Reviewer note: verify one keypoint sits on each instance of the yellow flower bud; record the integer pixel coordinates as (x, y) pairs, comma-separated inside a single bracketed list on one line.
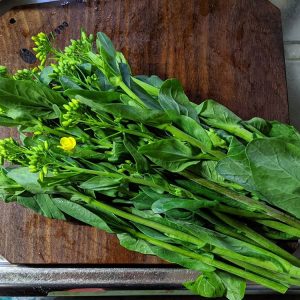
[(41, 176), (67, 143)]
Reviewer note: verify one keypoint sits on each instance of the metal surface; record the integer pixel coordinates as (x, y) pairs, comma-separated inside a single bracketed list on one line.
[(110, 281), (290, 13)]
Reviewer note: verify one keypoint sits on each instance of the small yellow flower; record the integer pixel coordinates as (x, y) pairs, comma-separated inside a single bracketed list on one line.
[(67, 143)]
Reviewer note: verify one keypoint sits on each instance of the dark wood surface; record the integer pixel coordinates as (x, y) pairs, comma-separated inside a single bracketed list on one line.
[(227, 50)]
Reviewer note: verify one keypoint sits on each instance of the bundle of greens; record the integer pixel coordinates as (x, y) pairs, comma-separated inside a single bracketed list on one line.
[(132, 155)]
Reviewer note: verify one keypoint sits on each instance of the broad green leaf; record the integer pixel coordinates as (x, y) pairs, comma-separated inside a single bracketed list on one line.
[(235, 286), (100, 183), (172, 98), (82, 214), (26, 179), (48, 207), (45, 76), (168, 203), (235, 166), (193, 128), (275, 165), (217, 115), (27, 93), (258, 124), (170, 154), (207, 285), (284, 131)]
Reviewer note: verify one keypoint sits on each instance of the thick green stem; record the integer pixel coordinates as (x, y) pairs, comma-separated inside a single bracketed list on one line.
[(223, 228), (236, 130), (280, 227), (213, 262), (116, 175), (253, 204), (261, 240), (281, 278), (182, 236), (239, 212)]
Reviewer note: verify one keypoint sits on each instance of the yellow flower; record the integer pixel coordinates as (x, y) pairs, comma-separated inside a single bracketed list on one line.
[(67, 143)]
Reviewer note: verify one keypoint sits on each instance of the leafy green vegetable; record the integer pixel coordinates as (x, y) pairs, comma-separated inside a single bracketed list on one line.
[(171, 154), (276, 171), (207, 285)]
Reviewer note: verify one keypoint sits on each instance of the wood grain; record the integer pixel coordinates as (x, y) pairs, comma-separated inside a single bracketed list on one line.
[(227, 50)]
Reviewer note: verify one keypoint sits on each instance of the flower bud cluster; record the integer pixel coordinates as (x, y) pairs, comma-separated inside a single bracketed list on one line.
[(70, 117), (11, 151), (43, 47), (37, 157)]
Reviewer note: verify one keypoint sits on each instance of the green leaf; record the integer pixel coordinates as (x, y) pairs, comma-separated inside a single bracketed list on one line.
[(82, 214), (275, 165), (235, 166), (100, 183), (207, 285), (27, 93), (141, 246), (168, 203), (93, 99), (258, 124), (172, 98), (217, 115), (140, 161), (26, 179), (48, 207), (170, 154), (153, 80), (106, 44), (284, 131), (212, 110), (235, 286), (67, 83), (193, 128), (145, 198), (31, 203), (45, 76)]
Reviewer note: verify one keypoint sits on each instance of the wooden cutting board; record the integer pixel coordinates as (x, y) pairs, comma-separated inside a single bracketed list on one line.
[(231, 51)]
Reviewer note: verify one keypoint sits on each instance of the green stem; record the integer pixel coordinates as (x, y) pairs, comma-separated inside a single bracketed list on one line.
[(253, 204), (223, 228), (182, 236), (131, 179), (131, 94), (181, 135), (239, 212), (261, 240), (280, 227), (213, 262), (234, 129), (281, 278)]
